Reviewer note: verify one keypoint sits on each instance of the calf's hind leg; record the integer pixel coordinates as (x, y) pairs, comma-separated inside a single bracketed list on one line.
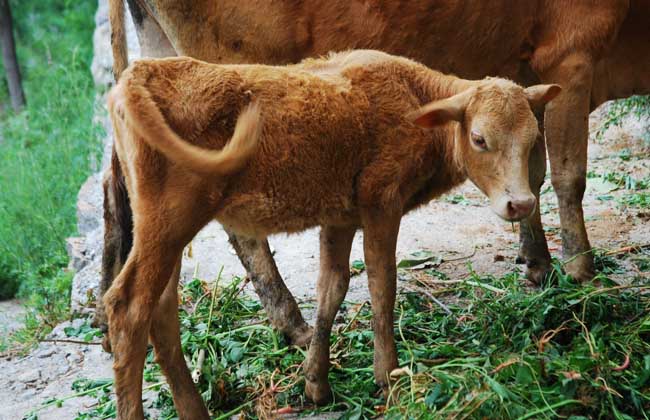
[(333, 282), (130, 304), (165, 336)]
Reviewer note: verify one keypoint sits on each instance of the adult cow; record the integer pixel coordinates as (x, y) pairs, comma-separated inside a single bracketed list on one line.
[(595, 49)]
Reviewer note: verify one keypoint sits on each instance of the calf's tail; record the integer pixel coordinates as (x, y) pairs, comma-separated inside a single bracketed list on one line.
[(147, 121)]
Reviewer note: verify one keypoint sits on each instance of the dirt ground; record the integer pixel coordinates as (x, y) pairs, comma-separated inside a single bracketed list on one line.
[(458, 226)]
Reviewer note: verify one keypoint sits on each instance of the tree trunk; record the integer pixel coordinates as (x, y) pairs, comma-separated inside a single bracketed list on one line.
[(9, 57)]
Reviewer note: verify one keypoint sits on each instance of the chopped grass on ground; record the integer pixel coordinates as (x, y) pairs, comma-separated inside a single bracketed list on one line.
[(506, 352)]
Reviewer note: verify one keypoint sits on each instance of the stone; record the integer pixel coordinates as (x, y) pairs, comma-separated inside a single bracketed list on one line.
[(85, 286), (76, 248), (29, 393), (46, 352), (90, 205), (18, 386), (63, 369), (58, 331), (74, 358), (29, 376)]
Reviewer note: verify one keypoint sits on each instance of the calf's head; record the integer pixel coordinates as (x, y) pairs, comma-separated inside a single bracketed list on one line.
[(494, 137)]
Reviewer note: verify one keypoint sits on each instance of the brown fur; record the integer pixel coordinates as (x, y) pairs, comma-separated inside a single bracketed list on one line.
[(595, 49), (347, 120)]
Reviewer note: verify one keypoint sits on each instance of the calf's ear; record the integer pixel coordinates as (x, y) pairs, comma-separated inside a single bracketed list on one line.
[(442, 111), (540, 95)]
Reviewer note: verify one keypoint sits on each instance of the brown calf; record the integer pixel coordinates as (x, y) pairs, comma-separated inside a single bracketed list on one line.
[(264, 149)]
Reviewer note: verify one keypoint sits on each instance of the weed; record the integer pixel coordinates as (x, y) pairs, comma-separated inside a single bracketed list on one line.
[(505, 352), (637, 200), (458, 199), (626, 181), (635, 105)]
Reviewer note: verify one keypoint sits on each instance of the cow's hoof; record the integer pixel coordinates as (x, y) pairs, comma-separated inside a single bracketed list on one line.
[(384, 389), (537, 274), (99, 324), (537, 270), (100, 320), (106, 344), (318, 392), (581, 268), (301, 336)]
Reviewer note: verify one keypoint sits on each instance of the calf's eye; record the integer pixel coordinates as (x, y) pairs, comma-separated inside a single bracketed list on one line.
[(479, 140)]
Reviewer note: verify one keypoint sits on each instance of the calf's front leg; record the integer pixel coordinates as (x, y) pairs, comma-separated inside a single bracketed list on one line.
[(379, 243), (333, 282)]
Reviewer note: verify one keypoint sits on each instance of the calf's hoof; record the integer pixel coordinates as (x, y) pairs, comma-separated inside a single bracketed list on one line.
[(581, 268), (319, 392), (301, 336)]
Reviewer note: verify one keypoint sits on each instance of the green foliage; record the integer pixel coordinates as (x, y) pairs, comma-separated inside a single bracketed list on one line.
[(46, 307), (457, 199), (8, 280), (506, 352), (46, 151), (84, 331), (635, 105)]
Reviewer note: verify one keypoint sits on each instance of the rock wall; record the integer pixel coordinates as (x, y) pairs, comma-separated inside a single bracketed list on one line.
[(85, 250)]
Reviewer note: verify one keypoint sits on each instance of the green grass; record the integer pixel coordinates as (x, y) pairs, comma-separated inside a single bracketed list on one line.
[(505, 352), (634, 105), (48, 151)]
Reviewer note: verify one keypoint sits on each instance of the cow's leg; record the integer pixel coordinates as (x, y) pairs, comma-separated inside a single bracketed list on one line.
[(333, 281), (567, 130), (118, 237), (110, 253), (130, 303), (165, 336), (277, 300), (533, 249), (379, 242)]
